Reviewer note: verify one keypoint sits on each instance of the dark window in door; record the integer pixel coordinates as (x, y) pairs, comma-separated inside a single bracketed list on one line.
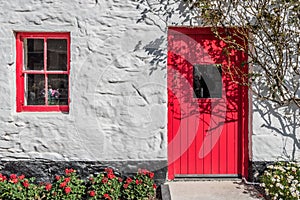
[(207, 81)]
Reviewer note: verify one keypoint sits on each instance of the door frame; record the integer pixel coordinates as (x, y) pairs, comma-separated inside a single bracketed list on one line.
[(246, 102)]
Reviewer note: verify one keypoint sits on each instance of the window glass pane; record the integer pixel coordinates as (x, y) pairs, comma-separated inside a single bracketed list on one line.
[(58, 89), (57, 54), (34, 54), (207, 81), (34, 89)]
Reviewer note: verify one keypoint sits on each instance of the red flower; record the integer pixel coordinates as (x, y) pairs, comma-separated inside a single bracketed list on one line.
[(143, 171), (151, 175), (125, 186), (15, 180), (137, 182), (69, 171), (111, 176), (13, 176), (109, 170), (62, 185), (48, 186), (26, 184), (2, 178), (57, 177), (104, 180), (91, 179), (21, 177), (128, 180), (154, 186), (120, 179), (106, 196), (92, 193), (67, 179), (67, 190)]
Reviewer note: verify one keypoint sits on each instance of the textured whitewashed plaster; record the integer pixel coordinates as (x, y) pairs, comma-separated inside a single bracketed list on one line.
[(276, 132), (118, 105), (118, 85)]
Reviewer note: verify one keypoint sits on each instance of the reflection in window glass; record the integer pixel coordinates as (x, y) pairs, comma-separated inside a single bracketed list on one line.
[(35, 89), (58, 89), (57, 54), (34, 54), (207, 82)]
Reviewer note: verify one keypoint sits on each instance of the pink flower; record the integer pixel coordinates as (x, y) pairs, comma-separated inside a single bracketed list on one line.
[(67, 179), (62, 185), (13, 176), (106, 196), (69, 171), (26, 184), (128, 180), (92, 193), (151, 175), (57, 177), (143, 171), (2, 178), (109, 170), (21, 177), (111, 176), (15, 180), (104, 180), (48, 186), (125, 186), (67, 190)]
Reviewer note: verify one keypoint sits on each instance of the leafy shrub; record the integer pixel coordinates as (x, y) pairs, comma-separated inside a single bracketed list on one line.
[(140, 187), (105, 185), (18, 187), (282, 181), (65, 187)]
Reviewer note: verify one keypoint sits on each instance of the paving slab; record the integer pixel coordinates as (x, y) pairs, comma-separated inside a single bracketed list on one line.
[(212, 190)]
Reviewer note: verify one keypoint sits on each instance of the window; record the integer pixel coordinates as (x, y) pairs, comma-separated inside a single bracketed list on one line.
[(43, 69), (207, 81)]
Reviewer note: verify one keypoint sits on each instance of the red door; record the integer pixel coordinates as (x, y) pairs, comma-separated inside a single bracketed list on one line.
[(207, 106)]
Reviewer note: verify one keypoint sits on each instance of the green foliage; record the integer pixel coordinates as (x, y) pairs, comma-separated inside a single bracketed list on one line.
[(18, 187), (268, 32), (282, 181), (140, 187), (105, 186), (66, 187)]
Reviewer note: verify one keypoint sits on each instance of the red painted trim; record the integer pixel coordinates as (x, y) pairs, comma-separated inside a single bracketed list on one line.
[(197, 30), (69, 65), (20, 71), (19, 77), (45, 108), (62, 35), (44, 72)]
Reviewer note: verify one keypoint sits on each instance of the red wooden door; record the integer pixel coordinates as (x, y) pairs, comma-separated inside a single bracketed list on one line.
[(207, 107)]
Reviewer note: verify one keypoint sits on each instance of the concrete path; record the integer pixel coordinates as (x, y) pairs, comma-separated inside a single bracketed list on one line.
[(212, 190)]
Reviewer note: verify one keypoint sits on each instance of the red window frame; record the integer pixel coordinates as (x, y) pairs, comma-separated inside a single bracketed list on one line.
[(20, 71)]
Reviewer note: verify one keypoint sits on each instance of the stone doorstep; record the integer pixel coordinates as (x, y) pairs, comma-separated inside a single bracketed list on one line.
[(209, 189)]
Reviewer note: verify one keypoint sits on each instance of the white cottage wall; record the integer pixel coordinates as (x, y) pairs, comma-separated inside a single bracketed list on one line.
[(118, 109)]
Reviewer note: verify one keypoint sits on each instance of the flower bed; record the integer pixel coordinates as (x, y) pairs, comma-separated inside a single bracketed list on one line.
[(282, 181), (105, 185)]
